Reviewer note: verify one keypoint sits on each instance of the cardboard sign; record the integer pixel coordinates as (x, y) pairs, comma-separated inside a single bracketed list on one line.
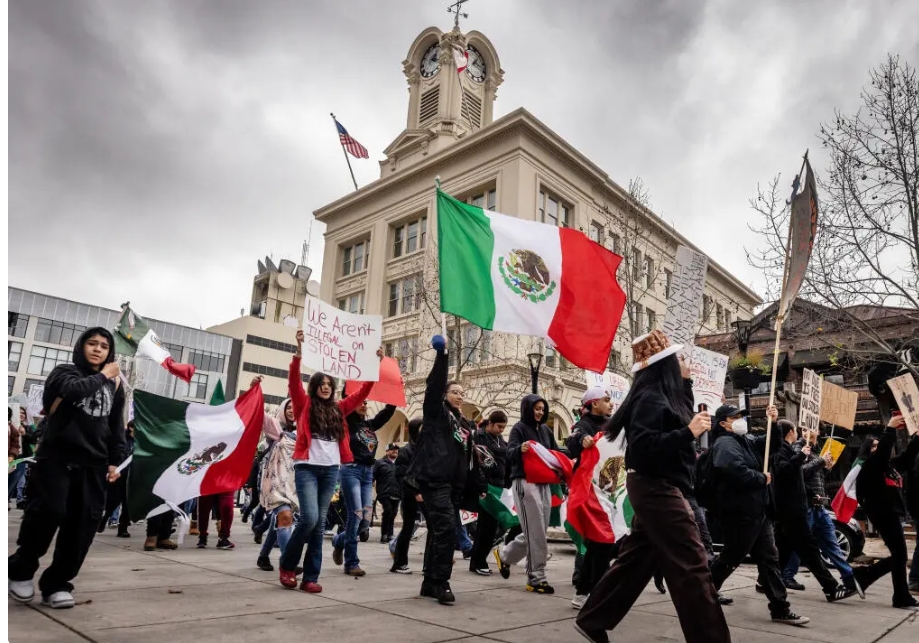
[(811, 389), (834, 448), (389, 389), (709, 370), (341, 344), (684, 308), (467, 517), (838, 405), (616, 385), (906, 393)]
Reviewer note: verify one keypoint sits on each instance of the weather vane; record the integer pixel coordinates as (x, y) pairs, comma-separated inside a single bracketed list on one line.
[(455, 8)]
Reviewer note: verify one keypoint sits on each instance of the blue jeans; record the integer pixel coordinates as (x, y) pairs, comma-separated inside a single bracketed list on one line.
[(821, 525), (275, 535), (16, 481), (315, 486), (357, 491), (462, 536)]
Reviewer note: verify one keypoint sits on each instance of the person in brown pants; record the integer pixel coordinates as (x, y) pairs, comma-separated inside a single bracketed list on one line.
[(225, 507), (660, 429)]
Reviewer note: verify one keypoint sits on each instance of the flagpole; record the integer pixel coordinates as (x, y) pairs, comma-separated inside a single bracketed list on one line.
[(344, 151)]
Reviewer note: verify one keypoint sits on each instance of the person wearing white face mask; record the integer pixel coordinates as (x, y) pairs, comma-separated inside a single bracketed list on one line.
[(744, 509)]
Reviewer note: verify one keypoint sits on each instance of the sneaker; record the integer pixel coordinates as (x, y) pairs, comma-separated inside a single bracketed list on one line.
[(122, 534), (288, 579), (909, 603), (427, 590), (481, 571), (202, 542), (839, 593), (599, 636), (338, 555), (357, 572), (793, 584), (224, 543), (790, 618), (392, 548), (22, 591), (444, 594), (405, 569), (101, 527), (913, 587), (364, 535), (503, 569), (467, 554), (150, 543), (264, 563), (578, 601), (257, 537), (58, 600), (168, 544), (541, 588), (310, 587), (724, 600), (659, 585)]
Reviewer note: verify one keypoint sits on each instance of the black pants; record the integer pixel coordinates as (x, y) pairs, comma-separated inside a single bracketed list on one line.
[(160, 526), (65, 499), (390, 510), (485, 533), (664, 534), (411, 509), (440, 507), (793, 534), (117, 494), (698, 513), (751, 535), (891, 530), (595, 564)]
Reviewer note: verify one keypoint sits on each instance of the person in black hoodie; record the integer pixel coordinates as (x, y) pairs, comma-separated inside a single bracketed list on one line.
[(533, 500), (879, 488), (411, 501), (660, 429), (388, 491), (792, 531), (491, 449), (80, 450), (444, 461), (357, 483)]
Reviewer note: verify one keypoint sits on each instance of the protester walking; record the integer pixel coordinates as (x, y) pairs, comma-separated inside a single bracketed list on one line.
[(388, 492), (491, 450), (411, 504), (278, 491)]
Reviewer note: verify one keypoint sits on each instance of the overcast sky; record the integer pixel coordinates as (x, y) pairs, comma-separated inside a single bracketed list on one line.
[(158, 149)]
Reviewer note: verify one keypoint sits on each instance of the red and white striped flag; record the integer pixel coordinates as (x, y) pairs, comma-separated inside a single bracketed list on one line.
[(353, 147)]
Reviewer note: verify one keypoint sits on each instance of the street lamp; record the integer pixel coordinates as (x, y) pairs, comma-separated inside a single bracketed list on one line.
[(535, 363), (742, 329)]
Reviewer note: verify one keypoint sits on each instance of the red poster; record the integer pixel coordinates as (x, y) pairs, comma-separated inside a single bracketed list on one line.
[(390, 389)]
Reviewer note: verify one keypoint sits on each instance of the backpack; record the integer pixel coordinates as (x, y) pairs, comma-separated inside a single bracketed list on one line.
[(704, 485)]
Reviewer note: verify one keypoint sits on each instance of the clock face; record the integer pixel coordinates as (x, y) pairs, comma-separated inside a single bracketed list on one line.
[(476, 67), (429, 62)]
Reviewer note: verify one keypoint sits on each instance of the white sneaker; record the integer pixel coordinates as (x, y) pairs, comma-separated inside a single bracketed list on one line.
[(58, 600), (22, 590), (578, 601)]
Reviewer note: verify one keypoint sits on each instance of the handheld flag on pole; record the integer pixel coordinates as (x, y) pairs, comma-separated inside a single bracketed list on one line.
[(134, 338)]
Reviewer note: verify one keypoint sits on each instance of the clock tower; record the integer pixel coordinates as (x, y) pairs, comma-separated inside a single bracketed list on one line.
[(444, 104)]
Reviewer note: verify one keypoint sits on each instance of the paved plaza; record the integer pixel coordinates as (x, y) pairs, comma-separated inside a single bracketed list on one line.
[(126, 594)]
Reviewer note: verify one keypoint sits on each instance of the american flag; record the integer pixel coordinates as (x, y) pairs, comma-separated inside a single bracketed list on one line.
[(354, 148)]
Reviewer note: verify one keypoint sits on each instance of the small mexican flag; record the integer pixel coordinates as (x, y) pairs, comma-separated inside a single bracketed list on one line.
[(185, 450), (846, 500), (598, 504), (133, 337), (499, 503), (527, 278)]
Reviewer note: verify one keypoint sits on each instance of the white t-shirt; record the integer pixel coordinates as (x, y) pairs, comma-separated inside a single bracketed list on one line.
[(323, 453)]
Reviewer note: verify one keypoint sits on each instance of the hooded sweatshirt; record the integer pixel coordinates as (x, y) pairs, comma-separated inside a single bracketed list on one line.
[(87, 428), (363, 432), (525, 430)]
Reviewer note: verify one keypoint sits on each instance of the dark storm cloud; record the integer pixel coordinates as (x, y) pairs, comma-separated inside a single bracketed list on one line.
[(158, 148)]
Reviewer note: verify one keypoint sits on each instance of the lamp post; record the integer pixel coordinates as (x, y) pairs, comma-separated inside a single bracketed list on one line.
[(742, 331), (535, 363)]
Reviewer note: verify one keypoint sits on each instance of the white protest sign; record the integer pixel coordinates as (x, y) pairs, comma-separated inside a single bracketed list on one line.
[(906, 393), (616, 385), (341, 344), (467, 517), (35, 394), (709, 370), (684, 307), (809, 413)]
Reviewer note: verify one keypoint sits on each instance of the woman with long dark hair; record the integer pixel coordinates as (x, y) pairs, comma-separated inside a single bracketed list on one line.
[(322, 447), (660, 429)]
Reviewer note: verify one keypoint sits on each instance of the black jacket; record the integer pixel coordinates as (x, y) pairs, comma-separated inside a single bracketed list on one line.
[(879, 486), (524, 431), (87, 428), (788, 481), (589, 424), (403, 460), (444, 451), (660, 444), (363, 436), (496, 447), (740, 483), (814, 470), (384, 475), (910, 464)]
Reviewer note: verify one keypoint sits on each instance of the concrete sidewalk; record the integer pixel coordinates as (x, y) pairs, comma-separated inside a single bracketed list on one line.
[(126, 594)]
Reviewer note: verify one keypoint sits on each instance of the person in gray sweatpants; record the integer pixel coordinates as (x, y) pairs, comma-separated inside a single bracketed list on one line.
[(533, 501)]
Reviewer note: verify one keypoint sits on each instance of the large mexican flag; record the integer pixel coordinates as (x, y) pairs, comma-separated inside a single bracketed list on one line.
[(527, 278), (184, 450), (598, 505)]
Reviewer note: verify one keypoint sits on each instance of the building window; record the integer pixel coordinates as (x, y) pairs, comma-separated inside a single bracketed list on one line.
[(405, 351), (32, 382), (719, 316), (55, 332), (10, 383), (668, 283), (638, 318), (271, 371), (727, 319), (486, 200), (43, 360), (404, 295), (636, 266), (706, 309), (410, 237), (617, 243), (551, 358), (595, 233), (255, 340), (614, 360), (198, 386), (175, 350), (353, 303), (652, 320), (553, 210), (18, 324), (206, 361), (354, 258), (648, 267), (15, 354)]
